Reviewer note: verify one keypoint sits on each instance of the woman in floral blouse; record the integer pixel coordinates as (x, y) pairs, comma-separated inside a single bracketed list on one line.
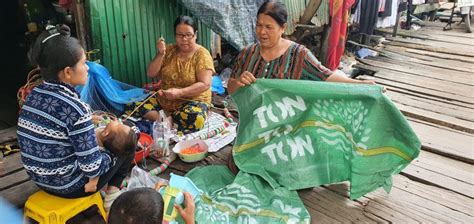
[(185, 70)]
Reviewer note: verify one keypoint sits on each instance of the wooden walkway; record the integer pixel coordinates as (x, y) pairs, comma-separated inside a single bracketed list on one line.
[(431, 79)]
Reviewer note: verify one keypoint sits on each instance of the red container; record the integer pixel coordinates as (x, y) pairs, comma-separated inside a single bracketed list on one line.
[(147, 142)]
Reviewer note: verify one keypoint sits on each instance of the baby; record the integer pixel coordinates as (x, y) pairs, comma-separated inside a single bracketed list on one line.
[(120, 139)]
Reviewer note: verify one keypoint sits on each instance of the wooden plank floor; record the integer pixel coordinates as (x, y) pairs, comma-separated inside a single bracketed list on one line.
[(430, 78)]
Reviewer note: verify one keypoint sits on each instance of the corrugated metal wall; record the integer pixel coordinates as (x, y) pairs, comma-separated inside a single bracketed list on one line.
[(295, 11), (322, 15), (126, 31)]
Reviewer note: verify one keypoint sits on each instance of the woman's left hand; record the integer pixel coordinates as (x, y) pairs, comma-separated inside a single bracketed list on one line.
[(371, 82), (172, 94)]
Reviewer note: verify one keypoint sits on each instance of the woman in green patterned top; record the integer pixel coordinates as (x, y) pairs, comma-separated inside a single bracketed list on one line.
[(276, 57)]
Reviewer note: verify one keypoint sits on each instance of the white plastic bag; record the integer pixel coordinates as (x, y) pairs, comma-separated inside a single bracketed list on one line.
[(141, 178)]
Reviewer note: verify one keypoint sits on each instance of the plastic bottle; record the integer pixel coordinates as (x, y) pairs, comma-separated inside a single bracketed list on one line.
[(225, 75), (161, 135)]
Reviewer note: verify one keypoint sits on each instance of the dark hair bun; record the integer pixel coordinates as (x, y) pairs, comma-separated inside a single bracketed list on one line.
[(64, 30), (55, 49)]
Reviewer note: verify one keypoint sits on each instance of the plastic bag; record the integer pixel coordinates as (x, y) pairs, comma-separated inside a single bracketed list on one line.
[(225, 75), (300, 134), (141, 178), (217, 85), (161, 136), (226, 196), (104, 93)]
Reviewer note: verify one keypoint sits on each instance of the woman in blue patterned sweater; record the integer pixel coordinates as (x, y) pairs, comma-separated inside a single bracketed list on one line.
[(58, 144)]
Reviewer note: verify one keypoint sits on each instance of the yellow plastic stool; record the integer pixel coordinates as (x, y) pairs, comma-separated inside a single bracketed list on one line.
[(49, 209)]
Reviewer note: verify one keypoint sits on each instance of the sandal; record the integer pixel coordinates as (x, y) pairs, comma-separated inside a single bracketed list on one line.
[(8, 149)]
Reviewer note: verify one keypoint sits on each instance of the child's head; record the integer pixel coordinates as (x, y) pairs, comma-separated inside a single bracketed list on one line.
[(119, 138), (60, 57), (137, 206)]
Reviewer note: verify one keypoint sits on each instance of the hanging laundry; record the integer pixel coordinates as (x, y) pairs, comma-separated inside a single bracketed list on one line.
[(418, 2), (388, 21), (355, 11), (387, 11), (368, 16), (339, 12), (382, 5)]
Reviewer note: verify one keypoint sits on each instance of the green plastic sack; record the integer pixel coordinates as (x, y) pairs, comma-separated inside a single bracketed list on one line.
[(244, 198), (299, 134)]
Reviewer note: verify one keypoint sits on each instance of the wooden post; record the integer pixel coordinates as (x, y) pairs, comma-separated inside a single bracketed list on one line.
[(309, 12), (397, 24), (324, 42), (216, 45), (80, 18), (409, 10)]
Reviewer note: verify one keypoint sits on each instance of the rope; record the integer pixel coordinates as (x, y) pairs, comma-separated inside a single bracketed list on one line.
[(32, 80), (212, 133), (160, 169), (104, 113), (154, 172), (143, 103), (149, 97), (227, 113)]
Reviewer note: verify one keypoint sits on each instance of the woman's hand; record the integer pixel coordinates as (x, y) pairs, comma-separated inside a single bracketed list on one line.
[(246, 78), (155, 65), (372, 82), (187, 213), (161, 46), (171, 94)]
